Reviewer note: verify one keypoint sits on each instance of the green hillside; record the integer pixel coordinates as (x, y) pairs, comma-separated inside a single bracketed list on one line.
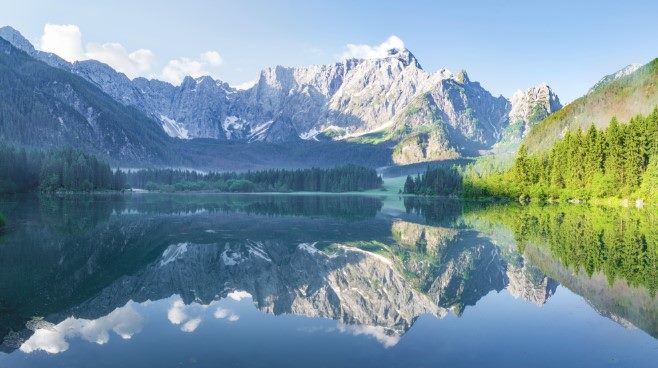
[(623, 98)]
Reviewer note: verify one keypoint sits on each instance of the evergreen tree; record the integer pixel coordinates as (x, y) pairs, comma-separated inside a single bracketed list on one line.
[(649, 186), (599, 163), (409, 186), (59, 169)]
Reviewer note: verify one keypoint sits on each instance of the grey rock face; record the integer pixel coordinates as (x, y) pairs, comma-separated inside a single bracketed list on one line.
[(361, 96), (527, 109), (529, 283), (196, 108)]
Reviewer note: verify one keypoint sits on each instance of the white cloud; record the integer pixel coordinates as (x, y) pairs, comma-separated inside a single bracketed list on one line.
[(245, 85), (177, 69), (238, 295), (64, 40), (212, 58), (377, 332), (115, 55), (222, 313), (124, 321), (354, 51), (176, 313), (191, 325)]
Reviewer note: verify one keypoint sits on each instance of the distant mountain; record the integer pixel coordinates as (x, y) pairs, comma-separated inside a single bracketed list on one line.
[(390, 100), (528, 108), (45, 106), (624, 94)]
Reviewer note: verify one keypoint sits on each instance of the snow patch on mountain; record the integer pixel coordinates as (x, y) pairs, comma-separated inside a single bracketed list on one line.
[(234, 127), (173, 128), (308, 247), (231, 258), (258, 132), (173, 252)]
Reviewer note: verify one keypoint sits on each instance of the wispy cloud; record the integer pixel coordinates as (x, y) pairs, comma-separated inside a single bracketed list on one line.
[(124, 321), (363, 51), (245, 85), (65, 40), (132, 64), (177, 69)]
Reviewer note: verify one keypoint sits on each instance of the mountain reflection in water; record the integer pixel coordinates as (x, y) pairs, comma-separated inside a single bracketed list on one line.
[(87, 268)]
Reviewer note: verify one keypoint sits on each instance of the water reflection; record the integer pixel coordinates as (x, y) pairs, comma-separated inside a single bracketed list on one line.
[(84, 268)]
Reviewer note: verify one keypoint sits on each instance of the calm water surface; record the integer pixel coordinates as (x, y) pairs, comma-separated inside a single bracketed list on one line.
[(324, 281)]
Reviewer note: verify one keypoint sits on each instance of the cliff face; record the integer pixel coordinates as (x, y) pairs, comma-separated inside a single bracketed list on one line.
[(528, 108)]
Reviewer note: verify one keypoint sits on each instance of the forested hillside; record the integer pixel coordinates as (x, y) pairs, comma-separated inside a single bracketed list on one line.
[(619, 161), (623, 97), (42, 106), (63, 169)]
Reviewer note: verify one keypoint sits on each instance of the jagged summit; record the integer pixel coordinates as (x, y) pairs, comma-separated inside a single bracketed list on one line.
[(462, 77), (534, 104), (527, 108), (405, 56), (624, 94), (17, 40)]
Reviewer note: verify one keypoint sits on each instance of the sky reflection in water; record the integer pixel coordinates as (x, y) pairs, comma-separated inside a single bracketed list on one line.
[(211, 280)]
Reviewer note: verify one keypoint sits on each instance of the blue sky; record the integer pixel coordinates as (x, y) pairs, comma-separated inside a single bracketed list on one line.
[(505, 45)]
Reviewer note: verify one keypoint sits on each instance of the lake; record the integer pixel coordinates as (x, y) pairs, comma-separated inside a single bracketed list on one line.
[(210, 280)]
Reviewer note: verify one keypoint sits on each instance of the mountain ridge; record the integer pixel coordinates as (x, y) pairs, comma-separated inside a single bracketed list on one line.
[(389, 100), (346, 94)]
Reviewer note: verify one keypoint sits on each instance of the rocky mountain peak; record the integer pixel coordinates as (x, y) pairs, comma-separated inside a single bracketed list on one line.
[(405, 56), (527, 108), (534, 104), (16, 39), (462, 77)]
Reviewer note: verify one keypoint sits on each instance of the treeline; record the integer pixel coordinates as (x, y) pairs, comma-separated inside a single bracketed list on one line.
[(340, 179), (64, 169), (620, 161), (434, 181)]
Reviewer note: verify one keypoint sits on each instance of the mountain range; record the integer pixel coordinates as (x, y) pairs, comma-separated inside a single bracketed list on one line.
[(389, 107)]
